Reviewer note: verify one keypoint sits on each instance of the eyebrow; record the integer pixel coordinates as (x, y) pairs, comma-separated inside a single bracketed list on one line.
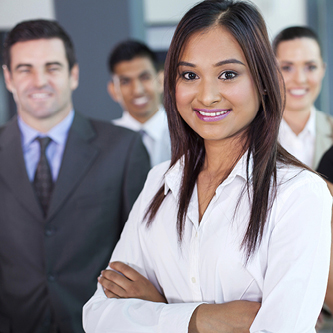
[(220, 63)]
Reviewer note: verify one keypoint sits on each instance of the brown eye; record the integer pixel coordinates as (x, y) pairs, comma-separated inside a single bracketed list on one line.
[(228, 75), (190, 76)]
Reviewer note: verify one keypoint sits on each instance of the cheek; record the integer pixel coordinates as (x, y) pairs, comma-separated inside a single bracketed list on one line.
[(123, 93), (315, 80), (184, 96), (286, 77)]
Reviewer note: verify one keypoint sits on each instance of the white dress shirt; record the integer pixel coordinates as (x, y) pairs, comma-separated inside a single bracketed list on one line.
[(155, 134), (302, 146), (288, 272)]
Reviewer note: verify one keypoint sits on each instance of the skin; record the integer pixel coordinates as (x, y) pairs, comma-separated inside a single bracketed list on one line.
[(41, 83), (205, 83), (218, 79), (137, 87), (303, 70)]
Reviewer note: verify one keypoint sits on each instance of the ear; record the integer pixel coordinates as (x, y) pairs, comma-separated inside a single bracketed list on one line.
[(74, 77), (112, 91), (160, 78), (8, 78), (324, 69)]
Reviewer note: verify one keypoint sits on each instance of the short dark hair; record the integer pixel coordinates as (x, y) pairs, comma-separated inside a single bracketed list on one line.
[(38, 29), (128, 50), (293, 33)]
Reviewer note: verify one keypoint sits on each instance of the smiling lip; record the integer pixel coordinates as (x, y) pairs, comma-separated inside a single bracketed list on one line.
[(297, 92), (38, 96), (212, 115), (140, 101)]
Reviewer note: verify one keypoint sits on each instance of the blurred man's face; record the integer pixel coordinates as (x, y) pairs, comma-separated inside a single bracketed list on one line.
[(40, 81), (137, 87)]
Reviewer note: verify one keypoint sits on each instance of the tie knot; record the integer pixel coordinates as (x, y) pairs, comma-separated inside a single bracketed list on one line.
[(43, 142)]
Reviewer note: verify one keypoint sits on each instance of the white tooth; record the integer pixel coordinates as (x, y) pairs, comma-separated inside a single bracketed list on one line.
[(141, 100), (39, 95), (298, 92), (212, 114)]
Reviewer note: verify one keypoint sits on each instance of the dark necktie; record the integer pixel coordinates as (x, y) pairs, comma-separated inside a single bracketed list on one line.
[(43, 182)]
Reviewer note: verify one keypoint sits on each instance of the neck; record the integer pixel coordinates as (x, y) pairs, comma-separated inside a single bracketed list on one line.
[(142, 119), (221, 158), (297, 119), (43, 125)]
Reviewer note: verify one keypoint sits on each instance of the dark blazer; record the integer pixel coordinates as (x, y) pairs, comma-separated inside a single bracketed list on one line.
[(50, 265)]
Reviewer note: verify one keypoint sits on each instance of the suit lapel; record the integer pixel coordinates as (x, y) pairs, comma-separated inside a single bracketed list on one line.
[(13, 171), (324, 132), (78, 156)]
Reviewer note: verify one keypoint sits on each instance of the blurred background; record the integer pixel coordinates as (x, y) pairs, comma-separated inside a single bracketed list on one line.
[(97, 25)]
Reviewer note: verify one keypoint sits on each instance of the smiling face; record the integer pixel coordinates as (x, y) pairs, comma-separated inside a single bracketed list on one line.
[(137, 87), (303, 70), (215, 93), (40, 81)]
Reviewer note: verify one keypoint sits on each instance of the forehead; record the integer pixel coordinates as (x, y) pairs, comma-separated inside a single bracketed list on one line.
[(298, 49), (214, 45), (134, 67), (39, 51)]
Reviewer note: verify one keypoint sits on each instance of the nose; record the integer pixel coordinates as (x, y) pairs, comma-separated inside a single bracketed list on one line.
[(138, 87), (40, 79), (300, 75), (209, 93)]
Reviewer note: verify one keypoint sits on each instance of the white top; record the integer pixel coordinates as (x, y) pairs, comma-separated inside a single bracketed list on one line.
[(155, 134), (302, 146), (288, 273)]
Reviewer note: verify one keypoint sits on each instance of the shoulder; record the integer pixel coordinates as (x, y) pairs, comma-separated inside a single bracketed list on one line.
[(104, 130), (156, 177), (296, 181), (103, 126), (106, 136), (158, 172), (323, 117)]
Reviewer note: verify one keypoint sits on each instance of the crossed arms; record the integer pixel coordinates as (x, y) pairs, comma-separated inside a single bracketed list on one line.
[(236, 316)]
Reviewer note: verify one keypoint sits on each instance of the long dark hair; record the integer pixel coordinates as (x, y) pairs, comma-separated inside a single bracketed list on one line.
[(247, 26)]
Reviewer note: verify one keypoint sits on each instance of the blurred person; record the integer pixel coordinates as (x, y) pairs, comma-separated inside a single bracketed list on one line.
[(136, 84), (325, 168), (305, 132), (67, 184), (218, 240)]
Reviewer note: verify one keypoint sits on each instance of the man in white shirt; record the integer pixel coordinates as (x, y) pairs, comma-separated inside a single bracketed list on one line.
[(136, 84)]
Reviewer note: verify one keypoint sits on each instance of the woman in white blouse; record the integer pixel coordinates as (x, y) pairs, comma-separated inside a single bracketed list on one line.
[(305, 132), (233, 234)]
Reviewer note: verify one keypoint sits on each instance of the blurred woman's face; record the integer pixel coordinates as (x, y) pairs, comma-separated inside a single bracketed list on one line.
[(303, 71), (215, 93)]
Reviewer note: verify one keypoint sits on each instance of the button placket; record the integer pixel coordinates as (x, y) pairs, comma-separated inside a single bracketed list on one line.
[(194, 266)]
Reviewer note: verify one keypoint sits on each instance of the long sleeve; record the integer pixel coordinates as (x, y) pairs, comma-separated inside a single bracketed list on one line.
[(297, 261), (287, 273), (102, 314)]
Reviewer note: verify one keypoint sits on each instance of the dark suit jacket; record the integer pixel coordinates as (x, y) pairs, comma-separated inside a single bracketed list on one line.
[(51, 264)]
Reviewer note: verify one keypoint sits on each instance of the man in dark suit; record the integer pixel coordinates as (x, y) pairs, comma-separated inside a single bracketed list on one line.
[(67, 184)]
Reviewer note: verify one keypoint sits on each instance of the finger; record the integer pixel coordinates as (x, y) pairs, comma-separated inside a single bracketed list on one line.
[(111, 287), (109, 294), (126, 270), (117, 278)]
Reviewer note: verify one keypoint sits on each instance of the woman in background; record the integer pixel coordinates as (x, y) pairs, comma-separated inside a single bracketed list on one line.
[(233, 234), (305, 132)]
